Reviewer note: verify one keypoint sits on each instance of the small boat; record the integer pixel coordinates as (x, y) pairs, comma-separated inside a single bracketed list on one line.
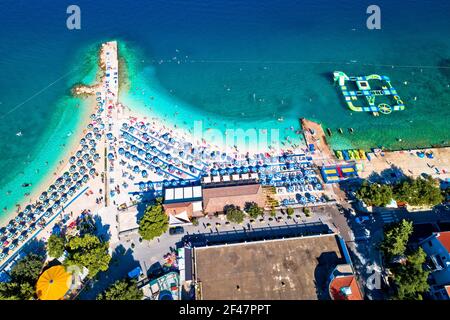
[(26, 185), (340, 131), (280, 119), (329, 132), (19, 134), (346, 155), (350, 130)]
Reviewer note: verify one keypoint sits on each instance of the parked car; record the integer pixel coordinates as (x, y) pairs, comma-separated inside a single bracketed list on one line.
[(176, 230)]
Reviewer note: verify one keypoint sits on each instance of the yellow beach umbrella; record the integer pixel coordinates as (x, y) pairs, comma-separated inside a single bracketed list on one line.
[(53, 283)]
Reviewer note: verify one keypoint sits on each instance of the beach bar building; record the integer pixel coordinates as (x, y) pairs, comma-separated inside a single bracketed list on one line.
[(216, 198)]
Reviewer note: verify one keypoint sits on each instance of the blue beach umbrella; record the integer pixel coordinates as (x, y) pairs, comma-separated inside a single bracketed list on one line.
[(82, 170), (142, 185), (72, 159), (127, 154), (135, 158), (92, 171), (89, 164), (79, 154), (82, 141), (149, 184), (85, 178), (43, 196), (136, 169), (85, 147), (144, 173), (110, 156)]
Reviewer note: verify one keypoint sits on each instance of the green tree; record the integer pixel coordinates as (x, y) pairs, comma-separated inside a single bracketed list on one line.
[(90, 252), (306, 211), (56, 246), (396, 238), (290, 211), (122, 290), (419, 192), (154, 222), (375, 194), (234, 214), (24, 275), (410, 278), (253, 210)]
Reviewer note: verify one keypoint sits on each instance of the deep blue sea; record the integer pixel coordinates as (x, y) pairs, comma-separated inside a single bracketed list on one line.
[(231, 63)]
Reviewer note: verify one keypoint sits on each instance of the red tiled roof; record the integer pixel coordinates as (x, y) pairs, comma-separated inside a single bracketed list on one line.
[(444, 239), (340, 282)]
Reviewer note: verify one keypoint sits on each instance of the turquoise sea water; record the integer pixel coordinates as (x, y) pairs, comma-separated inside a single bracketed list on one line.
[(229, 63)]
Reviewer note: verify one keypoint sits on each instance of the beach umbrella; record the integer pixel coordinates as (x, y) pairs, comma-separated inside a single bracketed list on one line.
[(63, 198), (136, 169), (92, 143), (131, 129), (79, 154), (61, 189), (168, 156), (125, 125), (85, 147), (89, 164), (149, 184), (166, 183), (79, 162), (128, 154), (121, 151), (85, 178), (134, 158), (78, 185), (93, 116), (72, 169), (43, 196), (82, 141), (72, 159), (96, 156), (82, 170), (110, 156), (53, 283), (175, 183), (141, 185), (66, 175), (192, 168), (141, 152), (85, 156), (214, 172), (75, 175), (133, 148), (70, 192), (92, 151), (88, 135), (144, 173), (55, 205), (98, 136), (90, 126)]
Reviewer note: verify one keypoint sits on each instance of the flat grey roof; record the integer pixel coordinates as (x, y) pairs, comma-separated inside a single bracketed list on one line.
[(290, 269)]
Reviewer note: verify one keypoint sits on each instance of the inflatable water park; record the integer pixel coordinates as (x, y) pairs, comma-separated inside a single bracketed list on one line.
[(333, 174), (373, 93)]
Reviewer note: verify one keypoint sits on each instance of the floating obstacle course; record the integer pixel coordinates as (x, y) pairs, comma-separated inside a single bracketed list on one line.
[(374, 93)]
